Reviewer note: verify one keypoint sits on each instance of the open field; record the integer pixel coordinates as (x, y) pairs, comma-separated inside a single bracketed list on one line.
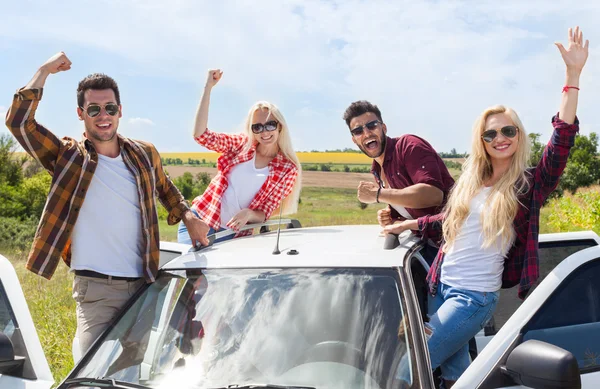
[(309, 178), (305, 157)]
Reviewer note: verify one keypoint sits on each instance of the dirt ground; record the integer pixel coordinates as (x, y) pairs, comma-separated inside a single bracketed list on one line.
[(309, 178)]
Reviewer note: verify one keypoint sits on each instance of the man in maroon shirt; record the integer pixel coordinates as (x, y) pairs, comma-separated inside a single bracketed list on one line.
[(410, 175)]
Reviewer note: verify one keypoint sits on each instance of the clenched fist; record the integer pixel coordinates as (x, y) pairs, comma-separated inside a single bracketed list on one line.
[(367, 192), (214, 75), (57, 63)]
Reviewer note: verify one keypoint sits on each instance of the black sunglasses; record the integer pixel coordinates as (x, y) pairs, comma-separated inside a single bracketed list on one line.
[(371, 126), (257, 128), (507, 131), (94, 110)]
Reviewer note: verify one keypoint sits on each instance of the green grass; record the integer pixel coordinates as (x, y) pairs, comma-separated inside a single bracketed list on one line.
[(327, 206)]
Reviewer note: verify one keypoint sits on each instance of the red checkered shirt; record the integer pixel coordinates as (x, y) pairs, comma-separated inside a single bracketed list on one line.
[(279, 183), (521, 266)]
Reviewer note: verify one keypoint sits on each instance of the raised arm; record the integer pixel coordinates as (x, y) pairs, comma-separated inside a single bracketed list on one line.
[(556, 154), (575, 57), (201, 122), (36, 140)]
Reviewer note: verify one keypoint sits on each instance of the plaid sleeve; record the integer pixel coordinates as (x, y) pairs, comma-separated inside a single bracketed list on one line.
[(283, 190), (220, 142), (556, 154), (167, 192), (35, 139), (430, 227)]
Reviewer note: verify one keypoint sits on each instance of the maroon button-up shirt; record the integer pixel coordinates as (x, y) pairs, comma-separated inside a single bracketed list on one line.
[(410, 160)]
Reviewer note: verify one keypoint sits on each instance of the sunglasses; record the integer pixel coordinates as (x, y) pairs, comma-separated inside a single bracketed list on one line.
[(257, 128), (94, 110), (507, 131), (371, 126)]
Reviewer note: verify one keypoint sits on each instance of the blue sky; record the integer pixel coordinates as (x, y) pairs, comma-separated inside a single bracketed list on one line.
[(431, 66)]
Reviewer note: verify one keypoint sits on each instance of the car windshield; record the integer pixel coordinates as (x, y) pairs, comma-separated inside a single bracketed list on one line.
[(323, 328)]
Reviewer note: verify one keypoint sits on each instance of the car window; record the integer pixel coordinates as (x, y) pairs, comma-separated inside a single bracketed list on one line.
[(550, 255), (7, 321), (220, 327), (570, 318), (10, 328)]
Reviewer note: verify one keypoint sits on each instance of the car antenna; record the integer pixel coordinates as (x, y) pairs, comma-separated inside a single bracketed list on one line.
[(276, 250)]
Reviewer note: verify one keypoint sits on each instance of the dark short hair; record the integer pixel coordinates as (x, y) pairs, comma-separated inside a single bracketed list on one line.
[(360, 107), (97, 81)]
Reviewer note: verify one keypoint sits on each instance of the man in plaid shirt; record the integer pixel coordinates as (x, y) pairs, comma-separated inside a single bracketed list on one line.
[(100, 216)]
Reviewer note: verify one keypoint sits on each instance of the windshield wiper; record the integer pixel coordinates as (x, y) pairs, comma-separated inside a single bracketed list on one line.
[(264, 386), (102, 383)]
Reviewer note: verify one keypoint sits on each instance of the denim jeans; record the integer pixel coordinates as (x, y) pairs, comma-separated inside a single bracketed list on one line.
[(459, 315), (184, 237)]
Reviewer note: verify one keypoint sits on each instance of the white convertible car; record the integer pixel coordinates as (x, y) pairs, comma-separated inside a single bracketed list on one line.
[(337, 308)]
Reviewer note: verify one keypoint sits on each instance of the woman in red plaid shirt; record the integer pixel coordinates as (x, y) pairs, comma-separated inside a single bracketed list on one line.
[(489, 227), (257, 172)]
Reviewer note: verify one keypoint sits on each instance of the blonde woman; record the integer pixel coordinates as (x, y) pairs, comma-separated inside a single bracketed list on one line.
[(257, 172), (489, 226)]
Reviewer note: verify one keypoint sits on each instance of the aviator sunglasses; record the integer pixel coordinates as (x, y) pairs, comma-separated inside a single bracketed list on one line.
[(94, 110), (371, 126), (507, 131), (257, 128)]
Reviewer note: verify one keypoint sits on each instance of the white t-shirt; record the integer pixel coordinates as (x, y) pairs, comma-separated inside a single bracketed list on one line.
[(107, 237), (244, 182), (467, 265)]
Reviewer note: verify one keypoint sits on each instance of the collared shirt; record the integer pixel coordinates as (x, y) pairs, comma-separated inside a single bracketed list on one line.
[(522, 262), (72, 164), (279, 183), (410, 160)]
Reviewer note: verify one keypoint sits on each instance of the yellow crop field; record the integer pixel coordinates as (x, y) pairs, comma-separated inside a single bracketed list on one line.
[(306, 157)]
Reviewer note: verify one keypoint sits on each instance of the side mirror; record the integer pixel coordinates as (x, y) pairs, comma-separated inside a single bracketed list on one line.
[(539, 364), (9, 363)]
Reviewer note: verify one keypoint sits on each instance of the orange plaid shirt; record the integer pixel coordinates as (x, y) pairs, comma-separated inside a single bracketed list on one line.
[(72, 164)]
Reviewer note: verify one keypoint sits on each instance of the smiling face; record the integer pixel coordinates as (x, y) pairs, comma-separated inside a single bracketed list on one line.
[(370, 141), (265, 138), (103, 127), (501, 147)]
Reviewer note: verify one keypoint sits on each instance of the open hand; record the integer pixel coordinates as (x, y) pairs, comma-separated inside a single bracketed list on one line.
[(214, 75), (57, 63), (576, 54), (239, 220)]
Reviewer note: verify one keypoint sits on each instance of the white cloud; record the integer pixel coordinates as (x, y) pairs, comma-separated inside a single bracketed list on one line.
[(3, 111), (431, 66), (141, 121)]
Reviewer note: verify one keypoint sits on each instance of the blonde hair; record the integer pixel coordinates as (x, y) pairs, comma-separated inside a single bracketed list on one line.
[(284, 141), (503, 202)]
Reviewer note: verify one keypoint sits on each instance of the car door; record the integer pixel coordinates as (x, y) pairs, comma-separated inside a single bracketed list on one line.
[(553, 249), (23, 364), (564, 312)]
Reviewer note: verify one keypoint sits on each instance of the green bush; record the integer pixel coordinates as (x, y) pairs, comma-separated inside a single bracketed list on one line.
[(17, 234)]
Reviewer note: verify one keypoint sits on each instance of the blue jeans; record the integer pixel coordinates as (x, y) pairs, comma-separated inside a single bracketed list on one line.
[(184, 237), (459, 315)]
